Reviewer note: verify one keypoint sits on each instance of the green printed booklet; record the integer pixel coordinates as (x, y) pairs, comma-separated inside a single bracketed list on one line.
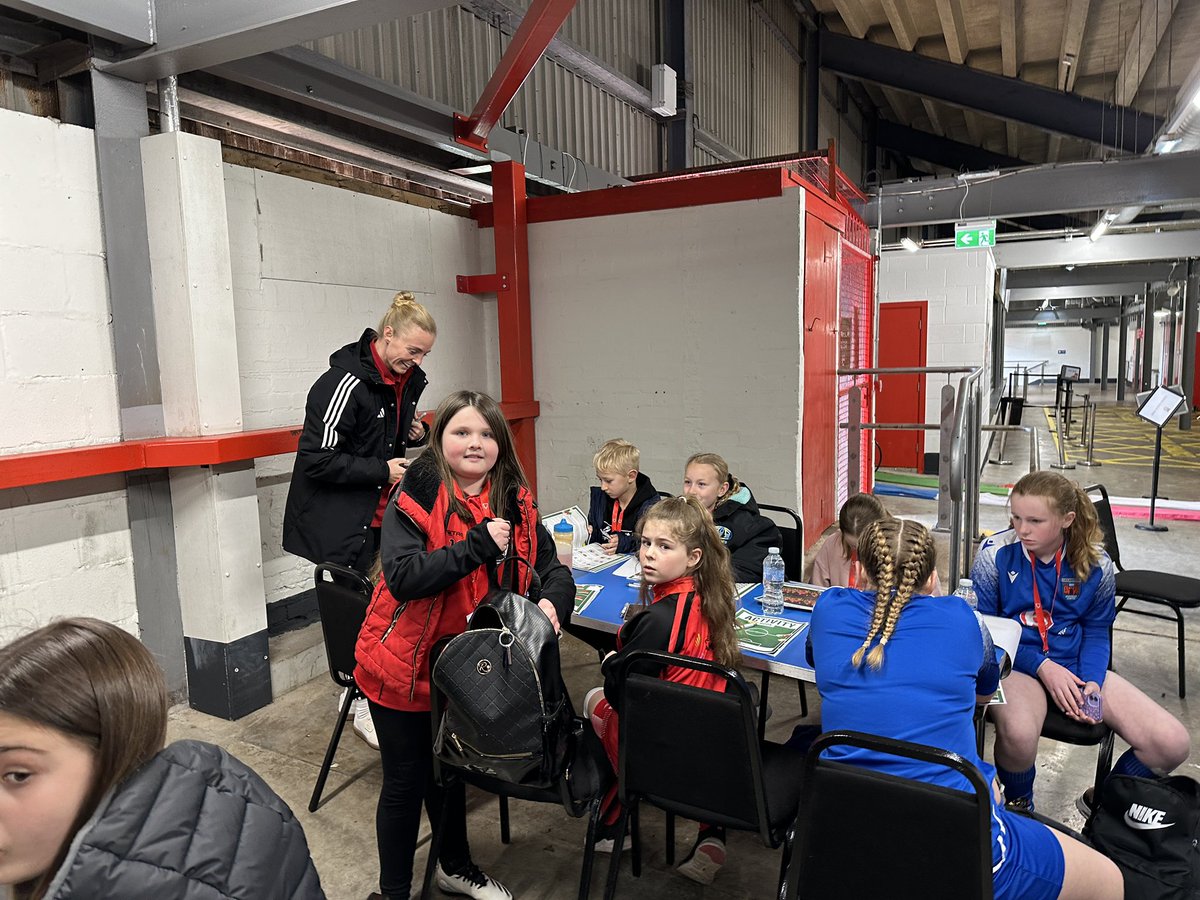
[(765, 634), (585, 594)]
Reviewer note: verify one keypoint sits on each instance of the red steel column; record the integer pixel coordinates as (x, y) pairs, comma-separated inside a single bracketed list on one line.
[(516, 328)]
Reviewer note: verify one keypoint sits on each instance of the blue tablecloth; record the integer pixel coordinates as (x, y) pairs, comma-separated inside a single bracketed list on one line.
[(604, 614)]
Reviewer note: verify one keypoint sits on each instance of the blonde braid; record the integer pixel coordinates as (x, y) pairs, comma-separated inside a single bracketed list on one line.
[(881, 554), (913, 568)]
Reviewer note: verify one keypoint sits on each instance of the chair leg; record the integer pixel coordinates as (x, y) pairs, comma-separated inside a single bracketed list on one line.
[(636, 850), (1103, 765), (670, 839), (334, 739), (1182, 660), (764, 688), (785, 866), (505, 836), (435, 844), (589, 850), (803, 700), (614, 864)]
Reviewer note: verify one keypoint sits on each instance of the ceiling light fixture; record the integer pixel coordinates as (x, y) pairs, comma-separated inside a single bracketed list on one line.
[(909, 244), (1101, 225)]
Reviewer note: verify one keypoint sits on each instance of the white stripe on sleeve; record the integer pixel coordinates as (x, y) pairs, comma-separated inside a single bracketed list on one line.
[(337, 405)]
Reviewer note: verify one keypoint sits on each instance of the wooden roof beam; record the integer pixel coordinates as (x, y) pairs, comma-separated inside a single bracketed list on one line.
[(1147, 34)]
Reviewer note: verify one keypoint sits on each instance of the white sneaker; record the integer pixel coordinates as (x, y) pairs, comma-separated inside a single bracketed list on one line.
[(472, 883), (705, 861), (364, 726)]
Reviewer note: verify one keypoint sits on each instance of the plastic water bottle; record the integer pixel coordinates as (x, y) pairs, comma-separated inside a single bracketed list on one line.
[(966, 590), (564, 541), (772, 595)]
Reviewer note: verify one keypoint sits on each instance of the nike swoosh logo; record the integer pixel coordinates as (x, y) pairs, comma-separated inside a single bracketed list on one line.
[(1142, 826)]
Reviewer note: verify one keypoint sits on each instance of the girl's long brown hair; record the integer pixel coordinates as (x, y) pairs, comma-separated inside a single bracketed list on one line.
[(506, 475), (856, 513), (1084, 537), (692, 526), (95, 684), (899, 556)]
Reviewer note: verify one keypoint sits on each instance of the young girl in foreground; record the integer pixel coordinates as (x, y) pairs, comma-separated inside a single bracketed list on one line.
[(1050, 573), (688, 608), (894, 661), (463, 504), (92, 806)]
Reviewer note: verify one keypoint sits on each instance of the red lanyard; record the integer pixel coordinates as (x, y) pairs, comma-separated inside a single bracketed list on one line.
[(618, 516), (852, 579), (1043, 620)]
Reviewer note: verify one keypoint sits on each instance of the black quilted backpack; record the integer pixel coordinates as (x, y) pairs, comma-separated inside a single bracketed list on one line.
[(507, 713)]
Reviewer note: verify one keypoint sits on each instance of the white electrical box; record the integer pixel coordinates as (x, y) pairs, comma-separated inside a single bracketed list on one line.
[(662, 90)]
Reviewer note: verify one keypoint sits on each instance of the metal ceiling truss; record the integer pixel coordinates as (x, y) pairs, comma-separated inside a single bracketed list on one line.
[(128, 23), (1115, 248), (316, 81), (940, 151), (1091, 275), (1040, 190), (1007, 98), (1077, 291)]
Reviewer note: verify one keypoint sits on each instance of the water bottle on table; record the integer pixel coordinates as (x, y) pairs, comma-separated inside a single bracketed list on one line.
[(772, 595), (564, 541), (966, 590)]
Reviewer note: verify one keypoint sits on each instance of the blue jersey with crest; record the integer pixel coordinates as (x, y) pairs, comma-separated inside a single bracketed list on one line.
[(1081, 610)]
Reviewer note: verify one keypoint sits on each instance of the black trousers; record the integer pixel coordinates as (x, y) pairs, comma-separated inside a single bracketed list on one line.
[(406, 751)]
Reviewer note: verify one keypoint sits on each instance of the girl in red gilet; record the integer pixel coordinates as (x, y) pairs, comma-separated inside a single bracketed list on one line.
[(688, 608), (463, 504)]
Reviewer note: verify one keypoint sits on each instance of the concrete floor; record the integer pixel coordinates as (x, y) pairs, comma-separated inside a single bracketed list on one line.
[(286, 741)]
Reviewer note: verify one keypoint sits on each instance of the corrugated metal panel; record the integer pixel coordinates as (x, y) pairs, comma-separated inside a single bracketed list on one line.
[(720, 36), (448, 55), (777, 86), (623, 33), (702, 157)]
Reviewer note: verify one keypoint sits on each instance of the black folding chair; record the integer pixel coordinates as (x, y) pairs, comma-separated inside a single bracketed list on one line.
[(864, 833), (342, 598), (1176, 592), (695, 752), (792, 551), (584, 750)]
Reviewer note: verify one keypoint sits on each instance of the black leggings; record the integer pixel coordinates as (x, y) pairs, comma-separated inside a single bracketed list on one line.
[(406, 751)]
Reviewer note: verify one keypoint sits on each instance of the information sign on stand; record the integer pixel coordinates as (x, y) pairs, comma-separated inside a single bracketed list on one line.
[(1158, 407)]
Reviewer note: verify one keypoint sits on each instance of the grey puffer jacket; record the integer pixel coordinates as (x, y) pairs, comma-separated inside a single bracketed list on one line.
[(192, 824)]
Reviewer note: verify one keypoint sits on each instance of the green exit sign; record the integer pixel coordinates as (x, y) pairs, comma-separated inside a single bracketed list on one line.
[(969, 235)]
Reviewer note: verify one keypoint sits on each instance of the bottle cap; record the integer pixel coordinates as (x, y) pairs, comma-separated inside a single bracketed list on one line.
[(563, 525), (772, 549), (964, 582)]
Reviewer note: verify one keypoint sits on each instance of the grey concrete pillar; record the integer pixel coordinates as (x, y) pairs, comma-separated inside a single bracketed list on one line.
[(1191, 312), (1105, 339), (1122, 349), (1147, 379), (121, 123), (219, 553)]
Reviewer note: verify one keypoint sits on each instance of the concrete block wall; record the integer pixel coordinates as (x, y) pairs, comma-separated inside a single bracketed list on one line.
[(959, 287), (678, 330), (64, 548), (313, 265), (1026, 344)]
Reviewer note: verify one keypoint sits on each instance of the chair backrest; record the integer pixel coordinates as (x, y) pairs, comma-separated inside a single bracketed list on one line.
[(792, 550), (1099, 497), (690, 750), (863, 833), (343, 595)]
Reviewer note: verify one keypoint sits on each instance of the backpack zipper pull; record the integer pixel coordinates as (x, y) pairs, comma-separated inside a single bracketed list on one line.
[(506, 641)]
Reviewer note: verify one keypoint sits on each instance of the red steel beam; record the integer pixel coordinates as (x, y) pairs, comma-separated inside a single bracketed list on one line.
[(516, 322), (700, 190), (532, 37)]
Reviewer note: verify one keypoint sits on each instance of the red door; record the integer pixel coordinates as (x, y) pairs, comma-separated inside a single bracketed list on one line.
[(819, 418), (901, 398)]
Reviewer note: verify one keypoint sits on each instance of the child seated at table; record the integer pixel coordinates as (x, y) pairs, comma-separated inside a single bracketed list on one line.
[(833, 566), (623, 487), (688, 608), (892, 660), (747, 533), (1050, 573)]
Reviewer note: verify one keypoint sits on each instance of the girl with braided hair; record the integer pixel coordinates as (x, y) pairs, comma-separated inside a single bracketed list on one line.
[(1050, 573), (892, 660)]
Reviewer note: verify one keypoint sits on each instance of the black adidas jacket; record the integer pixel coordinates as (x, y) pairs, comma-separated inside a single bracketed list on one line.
[(350, 432)]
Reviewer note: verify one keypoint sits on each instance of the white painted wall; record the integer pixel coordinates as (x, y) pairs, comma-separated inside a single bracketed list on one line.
[(64, 548), (677, 330), (1036, 343), (959, 286), (313, 265)]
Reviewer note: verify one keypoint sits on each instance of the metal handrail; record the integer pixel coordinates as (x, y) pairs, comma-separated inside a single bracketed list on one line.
[(911, 370)]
